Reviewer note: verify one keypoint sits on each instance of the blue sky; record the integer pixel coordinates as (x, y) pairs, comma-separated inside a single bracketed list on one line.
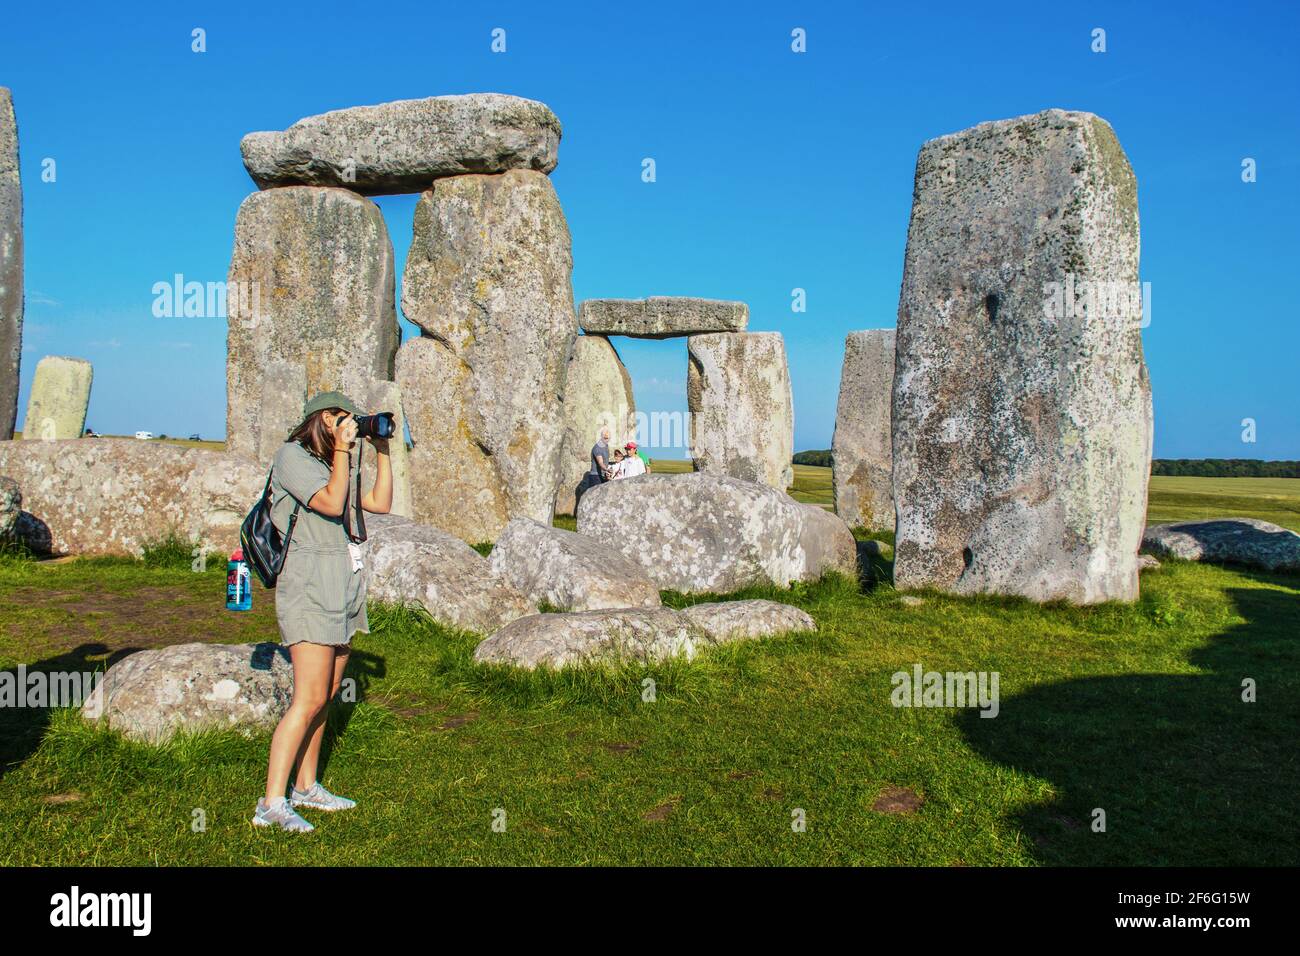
[(775, 170)]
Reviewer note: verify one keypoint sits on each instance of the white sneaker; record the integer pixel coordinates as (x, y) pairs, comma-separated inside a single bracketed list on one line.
[(278, 813), (318, 798)]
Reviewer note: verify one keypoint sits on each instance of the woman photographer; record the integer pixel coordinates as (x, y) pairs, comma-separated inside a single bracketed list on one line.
[(320, 599)]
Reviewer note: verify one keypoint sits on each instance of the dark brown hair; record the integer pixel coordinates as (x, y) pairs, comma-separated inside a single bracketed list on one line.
[(314, 433)]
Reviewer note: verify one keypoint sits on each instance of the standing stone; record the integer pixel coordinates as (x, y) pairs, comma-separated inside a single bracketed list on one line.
[(861, 457), (402, 147), (454, 485), (1022, 409), (310, 300), (60, 397), (488, 280), (597, 393), (742, 412), (387, 397), (662, 316), (11, 266)]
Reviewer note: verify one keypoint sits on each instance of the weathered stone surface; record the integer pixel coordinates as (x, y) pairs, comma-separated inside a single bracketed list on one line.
[(151, 695), (387, 397), (1147, 563), (11, 266), (742, 411), (711, 533), (310, 305), (59, 399), (454, 484), (1245, 541), (488, 278), (597, 393), (1021, 423), (861, 454), (612, 635), (11, 506), (727, 621), (114, 495), (569, 571), (662, 316), (416, 565), (402, 147)]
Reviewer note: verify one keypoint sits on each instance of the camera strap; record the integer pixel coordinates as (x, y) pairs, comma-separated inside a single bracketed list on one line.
[(359, 534)]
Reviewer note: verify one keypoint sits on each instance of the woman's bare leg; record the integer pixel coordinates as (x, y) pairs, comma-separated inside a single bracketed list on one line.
[(309, 754), (313, 671)]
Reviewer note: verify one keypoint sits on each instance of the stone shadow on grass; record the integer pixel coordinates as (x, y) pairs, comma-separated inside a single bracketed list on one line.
[(1186, 772)]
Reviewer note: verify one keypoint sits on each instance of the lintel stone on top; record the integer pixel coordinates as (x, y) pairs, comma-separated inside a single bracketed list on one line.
[(661, 316), (403, 146)]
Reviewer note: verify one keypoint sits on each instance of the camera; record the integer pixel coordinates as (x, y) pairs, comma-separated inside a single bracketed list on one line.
[(379, 425)]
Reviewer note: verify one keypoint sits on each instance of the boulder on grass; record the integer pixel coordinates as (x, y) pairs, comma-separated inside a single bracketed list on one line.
[(1245, 541), (702, 533), (727, 621), (11, 507), (151, 695), (612, 636), (415, 565), (117, 495), (567, 570)]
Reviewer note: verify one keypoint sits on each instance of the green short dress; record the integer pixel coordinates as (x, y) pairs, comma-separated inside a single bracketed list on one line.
[(320, 597)]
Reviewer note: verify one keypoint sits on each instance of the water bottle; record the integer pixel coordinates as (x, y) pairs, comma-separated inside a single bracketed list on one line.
[(239, 591)]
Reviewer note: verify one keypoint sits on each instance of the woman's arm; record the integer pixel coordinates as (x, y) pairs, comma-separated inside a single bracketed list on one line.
[(379, 499), (330, 499)]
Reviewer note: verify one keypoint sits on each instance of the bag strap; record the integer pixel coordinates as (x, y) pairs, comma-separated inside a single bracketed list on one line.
[(293, 518)]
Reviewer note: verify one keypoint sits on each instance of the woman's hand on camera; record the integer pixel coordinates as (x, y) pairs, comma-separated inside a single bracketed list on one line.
[(345, 432)]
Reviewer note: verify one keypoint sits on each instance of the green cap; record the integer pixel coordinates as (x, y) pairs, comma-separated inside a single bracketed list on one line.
[(329, 400)]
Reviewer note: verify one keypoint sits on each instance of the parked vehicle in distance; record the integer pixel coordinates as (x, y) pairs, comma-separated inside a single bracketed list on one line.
[(90, 433), (195, 437), (144, 436)]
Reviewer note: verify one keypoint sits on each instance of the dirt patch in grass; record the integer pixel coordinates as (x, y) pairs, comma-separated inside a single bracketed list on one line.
[(91, 622), (621, 747), (663, 811), (897, 800)]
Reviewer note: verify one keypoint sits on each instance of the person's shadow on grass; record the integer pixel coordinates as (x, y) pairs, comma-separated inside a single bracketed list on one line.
[(1186, 772)]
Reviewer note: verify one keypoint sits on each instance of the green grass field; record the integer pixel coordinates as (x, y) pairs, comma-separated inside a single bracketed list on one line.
[(1135, 710)]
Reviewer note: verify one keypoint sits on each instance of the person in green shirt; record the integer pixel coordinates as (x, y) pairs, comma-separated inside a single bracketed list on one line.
[(320, 598)]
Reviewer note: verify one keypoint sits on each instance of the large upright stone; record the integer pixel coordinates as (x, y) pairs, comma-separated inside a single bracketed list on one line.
[(310, 303), (662, 316), (387, 397), (402, 147), (861, 457), (1022, 409), (118, 495), (488, 280), (742, 412), (59, 399), (597, 394), (11, 266)]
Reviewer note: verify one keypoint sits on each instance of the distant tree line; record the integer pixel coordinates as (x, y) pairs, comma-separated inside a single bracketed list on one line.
[(819, 458), (1176, 467), (1225, 468)]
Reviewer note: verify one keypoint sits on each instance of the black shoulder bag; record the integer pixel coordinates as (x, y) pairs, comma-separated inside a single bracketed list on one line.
[(260, 540)]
